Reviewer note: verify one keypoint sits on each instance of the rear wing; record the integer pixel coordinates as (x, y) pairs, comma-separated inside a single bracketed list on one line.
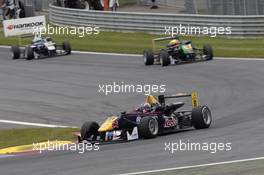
[(193, 95), (161, 39)]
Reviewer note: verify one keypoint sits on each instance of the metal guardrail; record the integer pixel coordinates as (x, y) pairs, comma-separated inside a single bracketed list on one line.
[(45, 5), (154, 23)]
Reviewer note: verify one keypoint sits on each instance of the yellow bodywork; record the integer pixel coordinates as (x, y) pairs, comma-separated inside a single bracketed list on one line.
[(108, 124), (195, 101), (154, 42)]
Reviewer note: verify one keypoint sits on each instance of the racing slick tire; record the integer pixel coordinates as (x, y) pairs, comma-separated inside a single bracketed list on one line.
[(89, 129), (29, 53), (15, 52), (148, 57), (66, 47), (164, 58), (208, 52), (148, 127), (201, 117)]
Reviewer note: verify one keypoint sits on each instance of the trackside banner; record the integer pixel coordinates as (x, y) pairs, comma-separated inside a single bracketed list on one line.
[(16, 27)]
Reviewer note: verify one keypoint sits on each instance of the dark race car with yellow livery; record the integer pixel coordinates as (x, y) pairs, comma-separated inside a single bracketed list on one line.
[(154, 118), (176, 52)]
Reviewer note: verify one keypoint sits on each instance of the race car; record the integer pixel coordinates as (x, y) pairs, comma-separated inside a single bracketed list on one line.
[(40, 48), (176, 52), (154, 118)]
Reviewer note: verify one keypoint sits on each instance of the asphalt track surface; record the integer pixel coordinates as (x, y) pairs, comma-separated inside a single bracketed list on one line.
[(64, 90)]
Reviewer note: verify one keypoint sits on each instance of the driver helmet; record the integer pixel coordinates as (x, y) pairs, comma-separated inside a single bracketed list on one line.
[(146, 107), (174, 42), (48, 39), (37, 38)]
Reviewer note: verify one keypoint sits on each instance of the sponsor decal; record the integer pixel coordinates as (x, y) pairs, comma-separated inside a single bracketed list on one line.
[(116, 135), (25, 25), (170, 122), (108, 135), (113, 135), (138, 119), (133, 135), (10, 27)]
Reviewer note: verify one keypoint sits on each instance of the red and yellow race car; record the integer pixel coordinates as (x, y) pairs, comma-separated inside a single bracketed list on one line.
[(153, 118)]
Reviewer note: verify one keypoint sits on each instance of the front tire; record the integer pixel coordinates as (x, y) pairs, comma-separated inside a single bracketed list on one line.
[(66, 47), (29, 53), (15, 52), (148, 127), (165, 58), (89, 130), (201, 117), (148, 57), (208, 52)]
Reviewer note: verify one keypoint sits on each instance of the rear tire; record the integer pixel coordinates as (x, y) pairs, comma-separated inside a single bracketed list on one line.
[(148, 57), (29, 53), (164, 58), (66, 47), (89, 129), (15, 52), (201, 117), (148, 127), (208, 52)]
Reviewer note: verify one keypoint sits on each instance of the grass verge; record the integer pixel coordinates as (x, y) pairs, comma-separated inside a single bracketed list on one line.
[(135, 43), (124, 3), (16, 137)]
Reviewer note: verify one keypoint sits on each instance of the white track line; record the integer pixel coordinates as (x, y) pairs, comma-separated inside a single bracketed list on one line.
[(240, 59), (194, 166), (94, 53), (105, 53), (34, 124), (5, 47), (137, 55)]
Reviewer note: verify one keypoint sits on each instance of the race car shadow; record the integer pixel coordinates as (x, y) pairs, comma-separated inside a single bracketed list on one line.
[(138, 140), (46, 57), (183, 63), (175, 132)]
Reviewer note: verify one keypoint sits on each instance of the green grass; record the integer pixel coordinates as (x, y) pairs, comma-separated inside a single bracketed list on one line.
[(15, 137), (123, 3), (135, 43)]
